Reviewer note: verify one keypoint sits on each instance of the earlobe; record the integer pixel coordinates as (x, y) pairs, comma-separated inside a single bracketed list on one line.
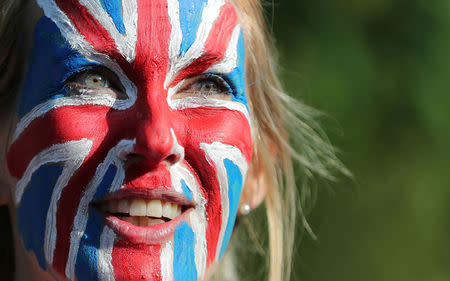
[(254, 190)]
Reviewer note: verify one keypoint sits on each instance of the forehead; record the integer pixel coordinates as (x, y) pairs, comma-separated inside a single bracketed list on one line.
[(130, 23)]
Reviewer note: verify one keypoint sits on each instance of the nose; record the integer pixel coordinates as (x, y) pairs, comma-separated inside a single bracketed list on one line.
[(155, 139)]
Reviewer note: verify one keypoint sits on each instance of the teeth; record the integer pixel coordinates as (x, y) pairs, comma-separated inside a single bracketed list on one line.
[(138, 207), (170, 210), (142, 221), (123, 206), (154, 208), (142, 212)]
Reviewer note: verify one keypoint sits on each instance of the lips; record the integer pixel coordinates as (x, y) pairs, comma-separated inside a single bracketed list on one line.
[(144, 216)]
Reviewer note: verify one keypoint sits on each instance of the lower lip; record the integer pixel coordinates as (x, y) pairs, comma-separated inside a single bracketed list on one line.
[(154, 234)]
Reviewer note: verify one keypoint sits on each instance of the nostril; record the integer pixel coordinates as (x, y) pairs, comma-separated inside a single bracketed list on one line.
[(132, 158), (171, 159)]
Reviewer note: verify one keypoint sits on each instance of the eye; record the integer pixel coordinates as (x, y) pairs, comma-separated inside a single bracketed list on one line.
[(205, 85), (95, 81)]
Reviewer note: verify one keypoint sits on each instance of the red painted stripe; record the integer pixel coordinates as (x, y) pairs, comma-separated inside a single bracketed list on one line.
[(87, 25), (92, 30), (215, 46), (132, 262), (88, 122)]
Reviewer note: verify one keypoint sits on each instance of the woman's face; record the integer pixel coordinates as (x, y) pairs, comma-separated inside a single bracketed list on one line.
[(133, 138)]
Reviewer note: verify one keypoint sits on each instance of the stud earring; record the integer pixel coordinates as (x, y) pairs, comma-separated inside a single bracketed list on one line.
[(245, 209)]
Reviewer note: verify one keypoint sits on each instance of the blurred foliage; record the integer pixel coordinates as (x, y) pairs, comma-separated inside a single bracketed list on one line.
[(380, 70)]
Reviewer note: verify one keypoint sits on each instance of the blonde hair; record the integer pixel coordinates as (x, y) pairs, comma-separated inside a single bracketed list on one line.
[(284, 129)]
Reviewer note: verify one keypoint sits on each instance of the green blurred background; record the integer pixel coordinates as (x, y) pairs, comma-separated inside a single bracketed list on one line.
[(380, 70)]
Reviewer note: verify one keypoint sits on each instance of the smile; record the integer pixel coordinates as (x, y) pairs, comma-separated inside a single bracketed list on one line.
[(141, 212), (144, 216)]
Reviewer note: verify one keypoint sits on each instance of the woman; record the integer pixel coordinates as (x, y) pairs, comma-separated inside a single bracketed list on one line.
[(141, 130)]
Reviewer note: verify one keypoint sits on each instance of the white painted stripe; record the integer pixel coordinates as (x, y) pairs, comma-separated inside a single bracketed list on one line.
[(67, 28), (230, 59), (104, 265), (166, 260), (194, 102), (209, 16), (54, 154), (217, 152), (176, 35), (198, 222), (197, 217), (71, 165), (81, 217), (125, 43), (82, 99)]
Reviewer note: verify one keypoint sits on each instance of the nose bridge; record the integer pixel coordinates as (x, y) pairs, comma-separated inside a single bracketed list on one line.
[(154, 139)]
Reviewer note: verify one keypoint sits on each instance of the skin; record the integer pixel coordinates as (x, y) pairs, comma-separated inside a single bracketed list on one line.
[(164, 132)]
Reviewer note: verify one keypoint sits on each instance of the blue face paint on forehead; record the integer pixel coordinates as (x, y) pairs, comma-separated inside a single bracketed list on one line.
[(114, 9), (190, 18), (52, 60), (237, 77)]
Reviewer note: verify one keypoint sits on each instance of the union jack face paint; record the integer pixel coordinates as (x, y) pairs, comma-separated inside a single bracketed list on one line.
[(78, 150)]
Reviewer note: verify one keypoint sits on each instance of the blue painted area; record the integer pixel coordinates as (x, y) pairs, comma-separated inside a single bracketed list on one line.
[(51, 62), (184, 258), (190, 18), (186, 190), (237, 77), (87, 257), (234, 193), (106, 182), (32, 211), (114, 9)]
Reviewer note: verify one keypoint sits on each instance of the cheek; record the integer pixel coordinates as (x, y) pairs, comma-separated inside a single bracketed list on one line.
[(218, 146)]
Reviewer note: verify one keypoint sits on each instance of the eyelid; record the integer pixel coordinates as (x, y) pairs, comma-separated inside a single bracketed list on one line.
[(113, 82), (221, 82)]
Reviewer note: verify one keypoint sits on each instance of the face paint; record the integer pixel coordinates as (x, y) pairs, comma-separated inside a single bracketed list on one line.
[(173, 137)]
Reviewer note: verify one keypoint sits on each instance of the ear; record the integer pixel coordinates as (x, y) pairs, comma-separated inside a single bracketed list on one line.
[(254, 190)]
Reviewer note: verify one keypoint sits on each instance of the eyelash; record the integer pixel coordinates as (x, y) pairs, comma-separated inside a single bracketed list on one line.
[(222, 87), (78, 82)]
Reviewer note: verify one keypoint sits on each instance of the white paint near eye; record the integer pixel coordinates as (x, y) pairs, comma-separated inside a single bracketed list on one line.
[(230, 59), (82, 216), (79, 100), (217, 152), (195, 102), (209, 16), (166, 260), (105, 268)]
